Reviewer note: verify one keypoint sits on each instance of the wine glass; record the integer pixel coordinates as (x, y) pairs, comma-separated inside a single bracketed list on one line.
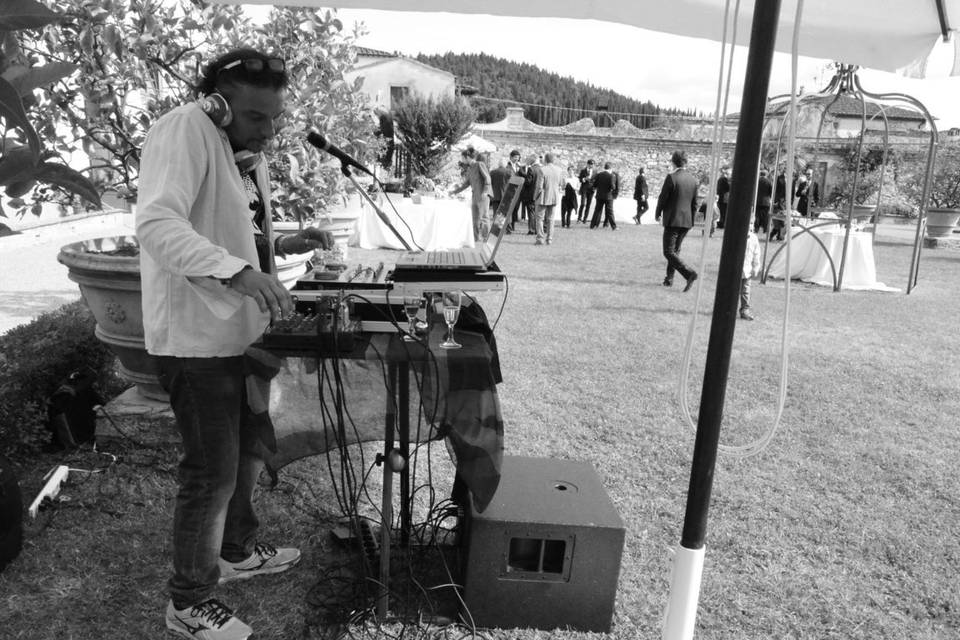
[(451, 311), (411, 307)]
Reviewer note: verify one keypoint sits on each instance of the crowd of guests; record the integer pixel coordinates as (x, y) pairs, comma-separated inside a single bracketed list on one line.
[(589, 191)]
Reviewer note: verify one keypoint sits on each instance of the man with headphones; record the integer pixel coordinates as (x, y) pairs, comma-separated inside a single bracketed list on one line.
[(209, 290)]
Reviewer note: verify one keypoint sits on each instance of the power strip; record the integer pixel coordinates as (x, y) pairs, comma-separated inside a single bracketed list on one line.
[(56, 477)]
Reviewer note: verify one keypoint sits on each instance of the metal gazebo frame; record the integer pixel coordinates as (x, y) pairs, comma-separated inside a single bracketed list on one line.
[(845, 83)]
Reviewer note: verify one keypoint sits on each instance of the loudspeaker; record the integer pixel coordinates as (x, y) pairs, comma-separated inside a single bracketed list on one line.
[(11, 514), (546, 552)]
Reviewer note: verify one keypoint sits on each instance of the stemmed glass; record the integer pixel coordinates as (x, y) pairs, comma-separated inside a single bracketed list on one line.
[(411, 307), (451, 311)]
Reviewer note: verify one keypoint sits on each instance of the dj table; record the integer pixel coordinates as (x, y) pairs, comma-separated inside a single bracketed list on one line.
[(456, 391)]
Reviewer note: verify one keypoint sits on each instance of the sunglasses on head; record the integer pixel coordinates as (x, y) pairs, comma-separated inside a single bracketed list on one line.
[(257, 65)]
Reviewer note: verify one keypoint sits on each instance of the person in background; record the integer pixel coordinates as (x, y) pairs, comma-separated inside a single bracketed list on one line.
[(547, 196), (586, 191), (528, 195), (702, 209), (723, 196), (477, 177), (607, 186), (764, 201), (807, 193), (209, 290), (676, 205), (569, 203), (779, 205), (499, 178), (751, 268), (640, 195)]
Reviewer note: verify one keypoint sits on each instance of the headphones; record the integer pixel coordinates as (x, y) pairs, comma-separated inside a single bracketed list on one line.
[(217, 107)]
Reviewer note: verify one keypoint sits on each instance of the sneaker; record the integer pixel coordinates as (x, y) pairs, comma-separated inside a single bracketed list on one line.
[(746, 315), (667, 282), (209, 620), (264, 559), (693, 278)]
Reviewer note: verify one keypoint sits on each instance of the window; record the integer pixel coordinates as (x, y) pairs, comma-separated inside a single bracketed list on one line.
[(397, 94)]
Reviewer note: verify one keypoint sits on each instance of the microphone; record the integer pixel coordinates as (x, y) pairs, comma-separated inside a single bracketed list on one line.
[(323, 144)]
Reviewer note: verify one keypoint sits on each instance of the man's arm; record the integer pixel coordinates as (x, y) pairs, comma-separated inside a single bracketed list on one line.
[(665, 191), (171, 174)]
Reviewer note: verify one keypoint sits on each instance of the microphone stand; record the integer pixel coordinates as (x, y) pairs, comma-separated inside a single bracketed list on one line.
[(380, 212)]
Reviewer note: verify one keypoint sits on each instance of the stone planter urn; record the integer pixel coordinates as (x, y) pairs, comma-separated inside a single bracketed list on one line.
[(941, 222), (108, 273)]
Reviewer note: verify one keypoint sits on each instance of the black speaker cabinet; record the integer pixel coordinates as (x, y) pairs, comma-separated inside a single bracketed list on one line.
[(546, 551)]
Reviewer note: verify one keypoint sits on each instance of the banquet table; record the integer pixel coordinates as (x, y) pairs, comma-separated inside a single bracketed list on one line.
[(431, 225), (809, 260)]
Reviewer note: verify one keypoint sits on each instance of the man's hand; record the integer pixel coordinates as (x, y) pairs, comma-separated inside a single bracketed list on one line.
[(266, 290), (305, 241)]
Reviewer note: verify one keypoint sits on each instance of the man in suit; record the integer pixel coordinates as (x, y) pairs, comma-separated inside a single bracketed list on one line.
[(586, 191), (640, 195), (676, 204), (807, 193), (607, 186), (764, 201), (779, 205), (528, 195), (514, 163), (498, 183), (723, 195), (549, 182), (477, 177)]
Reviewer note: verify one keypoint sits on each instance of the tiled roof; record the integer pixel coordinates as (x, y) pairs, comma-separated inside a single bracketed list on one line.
[(850, 107), (374, 53)]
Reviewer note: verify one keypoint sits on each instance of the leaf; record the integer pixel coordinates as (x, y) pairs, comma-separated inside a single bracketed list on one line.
[(69, 179), (18, 189), (24, 14), (37, 77), (11, 110), (16, 165)]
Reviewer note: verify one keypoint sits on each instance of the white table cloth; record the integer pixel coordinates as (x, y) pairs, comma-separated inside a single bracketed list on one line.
[(433, 224), (809, 262)]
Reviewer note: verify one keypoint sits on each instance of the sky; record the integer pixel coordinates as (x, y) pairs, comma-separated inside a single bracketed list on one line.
[(668, 70)]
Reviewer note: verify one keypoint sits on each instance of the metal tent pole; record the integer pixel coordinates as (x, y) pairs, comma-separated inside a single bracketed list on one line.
[(680, 618)]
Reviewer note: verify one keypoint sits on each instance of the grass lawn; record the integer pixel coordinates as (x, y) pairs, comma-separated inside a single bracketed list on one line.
[(842, 528)]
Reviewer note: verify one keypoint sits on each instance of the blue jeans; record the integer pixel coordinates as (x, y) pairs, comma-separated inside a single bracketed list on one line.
[(218, 472)]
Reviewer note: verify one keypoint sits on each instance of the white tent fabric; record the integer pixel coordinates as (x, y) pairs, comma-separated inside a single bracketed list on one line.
[(886, 35)]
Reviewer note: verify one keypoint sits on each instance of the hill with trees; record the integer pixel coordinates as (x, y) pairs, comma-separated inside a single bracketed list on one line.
[(547, 98)]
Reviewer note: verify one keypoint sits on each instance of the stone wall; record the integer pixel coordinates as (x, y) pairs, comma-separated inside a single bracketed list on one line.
[(624, 146), (627, 148)]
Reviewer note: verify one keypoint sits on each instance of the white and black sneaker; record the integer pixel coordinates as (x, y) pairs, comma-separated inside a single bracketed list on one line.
[(209, 620), (264, 559)]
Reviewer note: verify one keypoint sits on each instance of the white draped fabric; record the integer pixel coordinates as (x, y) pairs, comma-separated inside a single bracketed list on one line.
[(809, 261), (880, 34), (433, 224)]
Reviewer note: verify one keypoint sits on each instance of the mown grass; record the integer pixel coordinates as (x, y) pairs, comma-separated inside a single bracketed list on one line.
[(844, 527)]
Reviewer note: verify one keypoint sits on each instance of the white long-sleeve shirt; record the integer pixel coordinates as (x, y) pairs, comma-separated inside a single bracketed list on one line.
[(751, 257), (194, 225)]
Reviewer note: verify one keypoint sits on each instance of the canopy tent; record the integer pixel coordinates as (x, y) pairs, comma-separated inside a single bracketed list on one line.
[(886, 35)]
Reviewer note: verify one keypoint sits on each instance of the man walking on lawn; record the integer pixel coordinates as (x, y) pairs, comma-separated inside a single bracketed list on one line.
[(676, 204), (209, 290)]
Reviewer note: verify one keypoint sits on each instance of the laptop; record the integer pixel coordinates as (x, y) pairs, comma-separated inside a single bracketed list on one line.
[(476, 259)]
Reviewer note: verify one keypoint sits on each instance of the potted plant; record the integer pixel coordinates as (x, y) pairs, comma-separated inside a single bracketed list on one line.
[(943, 210)]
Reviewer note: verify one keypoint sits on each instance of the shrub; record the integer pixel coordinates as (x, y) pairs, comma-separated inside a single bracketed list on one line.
[(35, 359), (429, 128)]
